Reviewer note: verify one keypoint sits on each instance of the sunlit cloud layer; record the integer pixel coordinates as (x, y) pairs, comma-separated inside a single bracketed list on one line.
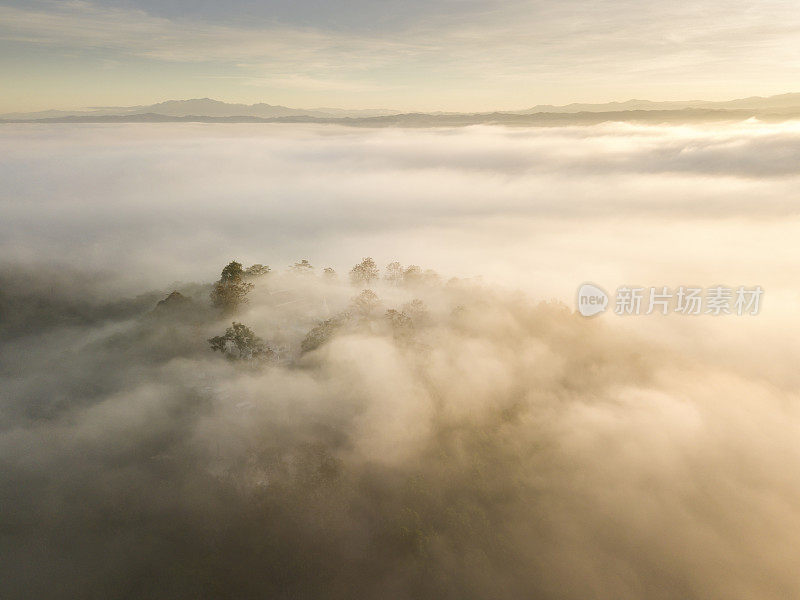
[(502, 448), (191, 195)]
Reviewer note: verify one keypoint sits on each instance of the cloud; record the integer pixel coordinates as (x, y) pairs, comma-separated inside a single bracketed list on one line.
[(84, 195), (502, 448), (520, 49), (508, 448)]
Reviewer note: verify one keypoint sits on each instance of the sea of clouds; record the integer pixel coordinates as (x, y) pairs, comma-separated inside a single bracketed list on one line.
[(504, 448)]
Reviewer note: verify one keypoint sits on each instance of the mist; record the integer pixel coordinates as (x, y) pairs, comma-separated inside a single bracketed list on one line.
[(488, 443)]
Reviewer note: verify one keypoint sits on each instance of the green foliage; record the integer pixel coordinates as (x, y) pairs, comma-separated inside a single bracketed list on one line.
[(230, 296), (232, 272), (364, 272), (231, 290), (256, 270), (240, 343), (323, 332)]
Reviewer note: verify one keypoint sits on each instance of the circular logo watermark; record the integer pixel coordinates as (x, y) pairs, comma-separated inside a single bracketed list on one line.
[(592, 300)]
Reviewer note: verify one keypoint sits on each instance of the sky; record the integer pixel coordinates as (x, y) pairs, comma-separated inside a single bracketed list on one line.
[(464, 55)]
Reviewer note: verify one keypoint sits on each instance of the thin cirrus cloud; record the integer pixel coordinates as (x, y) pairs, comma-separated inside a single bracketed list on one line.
[(453, 55)]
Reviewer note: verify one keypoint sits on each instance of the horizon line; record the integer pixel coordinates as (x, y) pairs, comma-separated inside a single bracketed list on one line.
[(403, 111)]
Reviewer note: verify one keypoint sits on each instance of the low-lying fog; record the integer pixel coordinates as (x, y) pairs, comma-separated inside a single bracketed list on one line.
[(480, 443)]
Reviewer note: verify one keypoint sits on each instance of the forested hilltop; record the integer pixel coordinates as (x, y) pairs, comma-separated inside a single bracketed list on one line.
[(301, 433)]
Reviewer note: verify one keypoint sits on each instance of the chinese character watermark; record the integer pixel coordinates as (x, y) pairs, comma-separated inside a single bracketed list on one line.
[(717, 300)]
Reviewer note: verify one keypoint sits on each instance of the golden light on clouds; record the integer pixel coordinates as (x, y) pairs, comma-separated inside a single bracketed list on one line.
[(463, 56)]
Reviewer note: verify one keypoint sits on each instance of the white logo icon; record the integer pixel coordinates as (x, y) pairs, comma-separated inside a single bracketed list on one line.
[(592, 300)]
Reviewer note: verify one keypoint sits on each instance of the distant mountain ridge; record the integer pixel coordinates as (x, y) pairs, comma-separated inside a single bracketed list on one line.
[(773, 108), (781, 101), (205, 107)]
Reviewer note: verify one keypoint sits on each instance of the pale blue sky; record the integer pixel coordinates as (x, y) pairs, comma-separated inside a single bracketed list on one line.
[(411, 55)]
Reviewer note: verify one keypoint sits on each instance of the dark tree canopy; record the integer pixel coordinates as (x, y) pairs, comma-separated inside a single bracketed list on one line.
[(240, 343), (232, 272), (231, 290), (256, 270), (323, 332)]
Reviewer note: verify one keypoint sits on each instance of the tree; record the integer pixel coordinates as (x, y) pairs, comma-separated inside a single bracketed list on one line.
[(232, 272), (329, 274), (402, 326), (302, 268), (230, 291), (240, 343), (364, 272), (412, 275), (365, 302), (323, 332), (256, 270), (394, 273), (416, 310)]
